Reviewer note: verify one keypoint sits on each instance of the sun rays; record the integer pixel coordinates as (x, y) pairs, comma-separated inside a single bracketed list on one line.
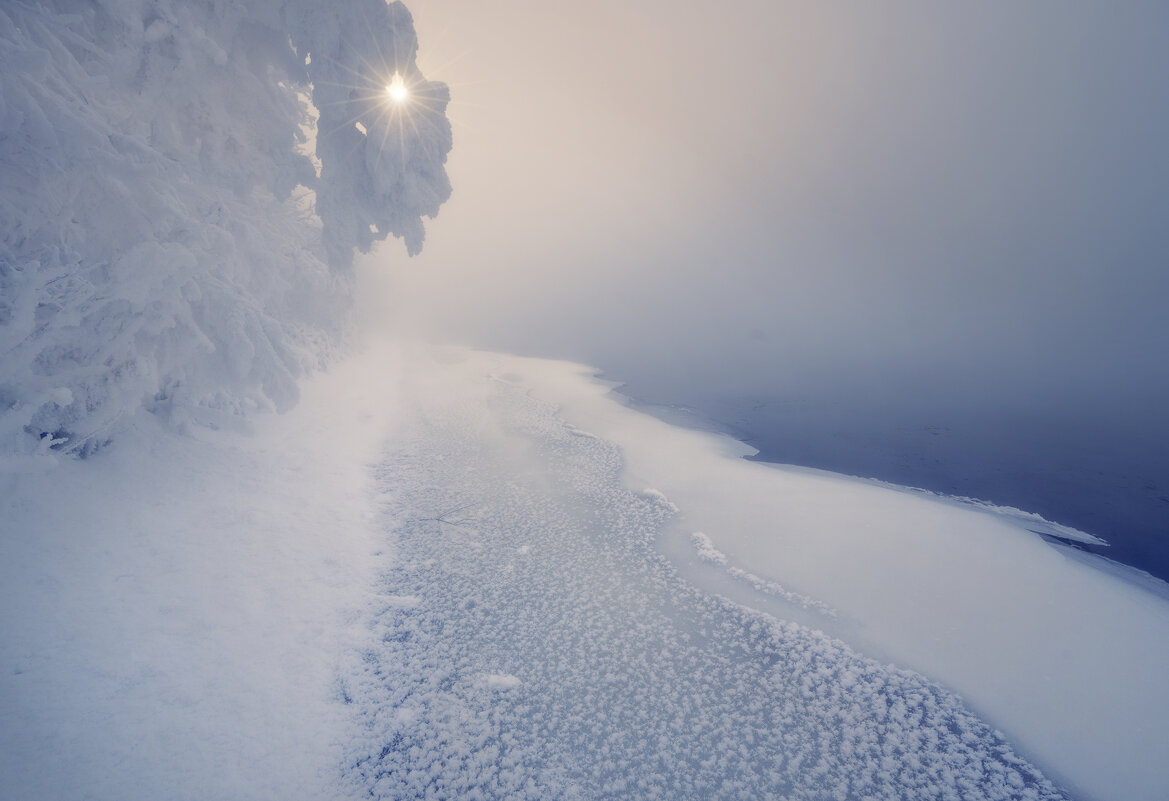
[(383, 97)]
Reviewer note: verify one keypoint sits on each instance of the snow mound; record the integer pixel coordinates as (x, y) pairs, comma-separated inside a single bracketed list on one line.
[(501, 681), (166, 239)]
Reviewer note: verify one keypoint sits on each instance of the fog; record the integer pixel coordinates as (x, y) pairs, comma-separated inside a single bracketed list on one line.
[(897, 215)]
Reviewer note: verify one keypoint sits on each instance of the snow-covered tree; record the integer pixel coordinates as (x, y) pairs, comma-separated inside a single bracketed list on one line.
[(176, 222)]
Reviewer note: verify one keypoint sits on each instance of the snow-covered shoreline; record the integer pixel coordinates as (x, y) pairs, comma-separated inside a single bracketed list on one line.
[(1066, 656), (188, 617), (554, 653)]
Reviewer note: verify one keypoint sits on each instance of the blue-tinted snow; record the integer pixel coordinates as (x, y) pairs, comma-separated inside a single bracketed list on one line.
[(424, 581), (552, 652)]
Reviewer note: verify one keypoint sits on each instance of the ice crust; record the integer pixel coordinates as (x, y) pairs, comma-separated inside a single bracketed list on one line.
[(1064, 653), (538, 573)]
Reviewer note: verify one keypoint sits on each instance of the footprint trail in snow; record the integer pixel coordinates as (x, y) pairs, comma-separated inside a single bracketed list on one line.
[(532, 643)]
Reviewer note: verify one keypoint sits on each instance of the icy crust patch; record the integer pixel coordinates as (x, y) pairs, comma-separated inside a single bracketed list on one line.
[(708, 553), (556, 655), (165, 241), (501, 681), (1048, 643)]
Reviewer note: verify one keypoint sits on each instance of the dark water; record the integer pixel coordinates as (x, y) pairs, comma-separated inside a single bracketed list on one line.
[(1108, 477)]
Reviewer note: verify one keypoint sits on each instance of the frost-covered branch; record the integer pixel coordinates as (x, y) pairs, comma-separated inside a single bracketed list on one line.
[(155, 174)]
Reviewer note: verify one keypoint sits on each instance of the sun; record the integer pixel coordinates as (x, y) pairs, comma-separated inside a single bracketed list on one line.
[(397, 91)]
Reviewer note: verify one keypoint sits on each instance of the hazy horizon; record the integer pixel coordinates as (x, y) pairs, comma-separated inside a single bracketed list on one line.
[(958, 200), (909, 215)]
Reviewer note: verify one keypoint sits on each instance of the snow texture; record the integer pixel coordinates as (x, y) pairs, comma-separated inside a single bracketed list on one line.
[(1064, 653), (556, 654), (166, 239), (174, 611), (424, 583)]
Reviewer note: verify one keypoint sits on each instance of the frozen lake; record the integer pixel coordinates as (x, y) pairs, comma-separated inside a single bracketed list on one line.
[(1110, 479)]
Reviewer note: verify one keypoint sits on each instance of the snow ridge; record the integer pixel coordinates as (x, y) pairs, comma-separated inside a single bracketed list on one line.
[(708, 553)]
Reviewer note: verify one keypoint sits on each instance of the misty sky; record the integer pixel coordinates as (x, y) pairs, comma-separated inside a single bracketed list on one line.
[(959, 204)]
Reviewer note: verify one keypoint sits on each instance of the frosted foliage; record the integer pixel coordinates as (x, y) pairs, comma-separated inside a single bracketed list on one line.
[(391, 174), (165, 240)]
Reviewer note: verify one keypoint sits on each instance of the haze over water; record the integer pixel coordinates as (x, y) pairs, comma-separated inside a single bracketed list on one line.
[(925, 244)]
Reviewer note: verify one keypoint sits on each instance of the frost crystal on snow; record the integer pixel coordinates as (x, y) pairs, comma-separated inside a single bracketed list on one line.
[(589, 669), (165, 241)]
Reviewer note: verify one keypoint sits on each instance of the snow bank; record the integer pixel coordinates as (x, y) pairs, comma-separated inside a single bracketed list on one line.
[(165, 239), (1067, 659), (176, 611)]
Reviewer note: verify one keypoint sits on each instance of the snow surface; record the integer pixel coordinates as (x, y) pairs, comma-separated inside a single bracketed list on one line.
[(539, 574), (428, 581), (175, 612), (1063, 654)]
